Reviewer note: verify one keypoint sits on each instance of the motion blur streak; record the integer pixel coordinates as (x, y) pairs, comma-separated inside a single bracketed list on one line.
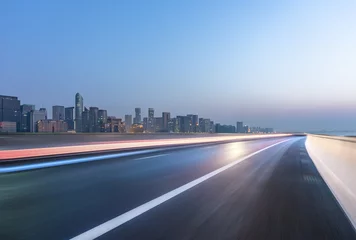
[(38, 152), (116, 222), (71, 161), (276, 194)]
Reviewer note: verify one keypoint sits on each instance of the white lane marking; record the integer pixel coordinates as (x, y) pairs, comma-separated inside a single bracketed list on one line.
[(72, 161), (154, 156), (125, 217)]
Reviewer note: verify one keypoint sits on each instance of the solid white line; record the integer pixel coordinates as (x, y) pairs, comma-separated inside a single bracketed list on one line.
[(154, 156), (125, 217)]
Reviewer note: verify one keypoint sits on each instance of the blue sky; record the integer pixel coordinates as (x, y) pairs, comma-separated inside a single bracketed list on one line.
[(284, 64)]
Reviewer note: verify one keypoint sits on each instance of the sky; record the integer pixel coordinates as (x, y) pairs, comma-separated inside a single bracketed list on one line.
[(283, 64)]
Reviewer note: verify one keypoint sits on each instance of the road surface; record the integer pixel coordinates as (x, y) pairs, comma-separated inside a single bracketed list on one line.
[(261, 189)]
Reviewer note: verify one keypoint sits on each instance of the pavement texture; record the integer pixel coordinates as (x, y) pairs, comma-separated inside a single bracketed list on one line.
[(275, 194)]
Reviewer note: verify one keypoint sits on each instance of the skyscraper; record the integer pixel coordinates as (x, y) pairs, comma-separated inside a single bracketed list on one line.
[(128, 122), (58, 113), (85, 124), (78, 112), (240, 127), (151, 120), (137, 119), (102, 119), (25, 117), (93, 119), (166, 116), (69, 117), (10, 110)]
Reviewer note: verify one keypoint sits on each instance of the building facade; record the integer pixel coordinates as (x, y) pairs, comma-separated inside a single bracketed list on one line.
[(25, 117), (240, 127), (69, 117), (85, 124), (151, 126), (93, 119), (51, 126), (35, 116), (137, 119), (8, 127), (10, 110), (166, 117), (58, 113), (79, 108), (128, 122)]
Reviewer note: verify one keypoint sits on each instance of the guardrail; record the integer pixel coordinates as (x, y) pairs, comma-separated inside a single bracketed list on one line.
[(335, 159), (117, 146)]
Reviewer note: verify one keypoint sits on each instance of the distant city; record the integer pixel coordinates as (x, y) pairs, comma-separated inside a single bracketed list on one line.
[(15, 117)]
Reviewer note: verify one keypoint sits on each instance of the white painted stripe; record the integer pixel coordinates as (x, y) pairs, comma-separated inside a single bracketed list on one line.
[(72, 161), (154, 156), (125, 217)]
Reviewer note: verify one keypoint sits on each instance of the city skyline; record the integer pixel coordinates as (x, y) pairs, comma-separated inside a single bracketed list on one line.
[(277, 63), (17, 117)]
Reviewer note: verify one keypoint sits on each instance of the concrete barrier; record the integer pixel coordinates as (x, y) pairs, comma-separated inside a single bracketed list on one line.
[(335, 159)]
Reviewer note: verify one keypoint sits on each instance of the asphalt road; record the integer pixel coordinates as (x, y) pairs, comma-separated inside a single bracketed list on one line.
[(21, 141), (276, 193)]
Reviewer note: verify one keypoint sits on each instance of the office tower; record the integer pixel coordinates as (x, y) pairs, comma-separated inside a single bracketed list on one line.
[(35, 116), (93, 119), (151, 120), (145, 122), (102, 119), (128, 122), (166, 116), (158, 122), (25, 117), (184, 123), (78, 112), (246, 129), (102, 116), (204, 125), (137, 119), (194, 122), (69, 117), (240, 127), (85, 124), (10, 110), (172, 125), (58, 113)]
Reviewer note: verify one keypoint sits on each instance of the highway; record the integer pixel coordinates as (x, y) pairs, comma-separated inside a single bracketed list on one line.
[(257, 189)]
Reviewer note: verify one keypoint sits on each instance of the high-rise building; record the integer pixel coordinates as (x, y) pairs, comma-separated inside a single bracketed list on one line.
[(184, 123), (85, 124), (58, 113), (128, 122), (102, 119), (194, 122), (145, 123), (166, 116), (36, 116), (69, 117), (151, 120), (102, 116), (25, 117), (93, 119), (158, 121), (10, 110), (78, 112), (137, 119), (204, 125), (240, 127), (172, 125)]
